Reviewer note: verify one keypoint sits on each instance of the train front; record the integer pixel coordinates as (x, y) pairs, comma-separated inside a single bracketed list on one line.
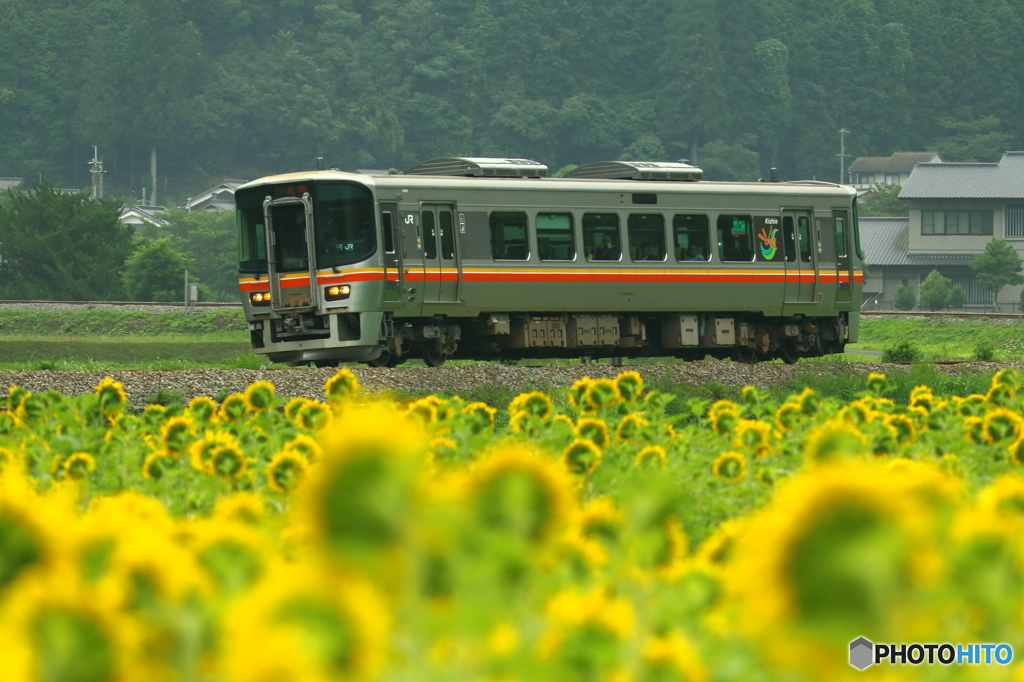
[(310, 267)]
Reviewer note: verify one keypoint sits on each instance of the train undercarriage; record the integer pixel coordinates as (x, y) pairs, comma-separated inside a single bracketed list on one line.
[(744, 337)]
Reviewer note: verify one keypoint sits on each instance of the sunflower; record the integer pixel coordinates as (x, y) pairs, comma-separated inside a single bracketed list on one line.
[(78, 466), (601, 394), (176, 433), (630, 385), (286, 471), (314, 416), (246, 508), (295, 405), (723, 415), (878, 383), (1002, 425), (581, 457), (305, 446), (906, 432), (731, 466), (202, 409), (156, 463), (755, 435), (517, 489), (651, 456), (227, 461), (425, 410), (111, 396), (836, 438), (444, 449), (301, 622), (1004, 497), (233, 408), (201, 451), (479, 416), (595, 430), (921, 396), (577, 393), (630, 428), (1016, 451), (673, 652), (259, 396), (536, 403), (572, 611), (342, 386)]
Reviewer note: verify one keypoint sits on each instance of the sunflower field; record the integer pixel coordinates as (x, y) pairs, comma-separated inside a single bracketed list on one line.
[(594, 536)]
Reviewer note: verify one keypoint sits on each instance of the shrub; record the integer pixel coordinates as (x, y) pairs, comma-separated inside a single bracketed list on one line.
[(935, 291), (984, 352), (957, 297), (904, 351), (905, 297)]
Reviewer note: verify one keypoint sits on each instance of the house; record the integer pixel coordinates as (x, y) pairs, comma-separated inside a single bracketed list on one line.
[(219, 198), (867, 171), (142, 215), (955, 209), (10, 183)]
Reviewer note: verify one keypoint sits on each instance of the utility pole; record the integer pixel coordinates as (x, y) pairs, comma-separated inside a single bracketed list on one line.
[(152, 175), (96, 169), (842, 153)]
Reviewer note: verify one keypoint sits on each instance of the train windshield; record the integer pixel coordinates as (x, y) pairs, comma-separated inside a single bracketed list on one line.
[(344, 220)]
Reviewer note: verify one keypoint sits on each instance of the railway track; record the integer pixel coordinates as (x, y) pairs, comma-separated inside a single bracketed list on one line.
[(931, 313)]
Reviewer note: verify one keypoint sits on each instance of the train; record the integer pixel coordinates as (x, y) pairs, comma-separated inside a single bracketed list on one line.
[(493, 259)]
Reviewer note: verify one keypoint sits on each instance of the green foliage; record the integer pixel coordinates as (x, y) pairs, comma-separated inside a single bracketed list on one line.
[(984, 352), (723, 161), (904, 351), (997, 266), (156, 272), (905, 297), (60, 246), (883, 201), (957, 297), (984, 139), (208, 239), (936, 291)]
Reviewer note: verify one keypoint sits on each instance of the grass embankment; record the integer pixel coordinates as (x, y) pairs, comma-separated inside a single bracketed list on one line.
[(944, 338), (117, 339)]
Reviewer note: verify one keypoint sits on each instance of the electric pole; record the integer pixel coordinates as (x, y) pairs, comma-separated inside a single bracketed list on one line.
[(96, 170), (842, 153)]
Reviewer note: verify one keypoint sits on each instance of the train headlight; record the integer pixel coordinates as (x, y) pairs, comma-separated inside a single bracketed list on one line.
[(337, 292), (260, 298)]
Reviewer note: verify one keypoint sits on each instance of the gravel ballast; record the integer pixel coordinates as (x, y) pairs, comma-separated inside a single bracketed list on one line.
[(308, 382)]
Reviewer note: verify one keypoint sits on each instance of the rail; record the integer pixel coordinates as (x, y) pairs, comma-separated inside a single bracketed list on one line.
[(179, 304), (937, 313)]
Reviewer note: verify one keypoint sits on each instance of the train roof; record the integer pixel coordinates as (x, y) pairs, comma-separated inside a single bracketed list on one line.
[(400, 182)]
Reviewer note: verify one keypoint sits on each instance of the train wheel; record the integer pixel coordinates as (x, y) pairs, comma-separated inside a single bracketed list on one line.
[(789, 352), (744, 354), (386, 359), (431, 356)]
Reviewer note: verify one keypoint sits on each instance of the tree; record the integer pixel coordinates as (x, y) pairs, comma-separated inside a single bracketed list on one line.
[(935, 291), (209, 242), (997, 266), (64, 247), (883, 201), (905, 297), (156, 272), (957, 297)]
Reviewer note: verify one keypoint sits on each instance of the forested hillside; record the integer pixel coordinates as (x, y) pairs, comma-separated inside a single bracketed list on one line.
[(242, 88)]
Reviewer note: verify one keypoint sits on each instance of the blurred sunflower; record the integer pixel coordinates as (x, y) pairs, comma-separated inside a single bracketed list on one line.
[(341, 387), (601, 394), (673, 656), (201, 451), (233, 408), (595, 614), (652, 456), (754, 435), (240, 507), (202, 409), (593, 429), (111, 396), (581, 457), (157, 463), (78, 466), (479, 416), (577, 393), (731, 466), (313, 416), (1002, 425), (536, 403), (259, 396), (305, 446), (723, 415), (176, 434), (630, 385), (227, 461), (630, 428)]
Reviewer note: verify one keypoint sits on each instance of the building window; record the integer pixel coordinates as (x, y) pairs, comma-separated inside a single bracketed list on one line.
[(1015, 222), (956, 222), (973, 292)]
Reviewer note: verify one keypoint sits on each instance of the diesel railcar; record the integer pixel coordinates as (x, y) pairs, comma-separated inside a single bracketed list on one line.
[(491, 259)]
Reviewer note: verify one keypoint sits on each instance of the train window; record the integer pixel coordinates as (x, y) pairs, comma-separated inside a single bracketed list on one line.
[(690, 237), (555, 238), (840, 236), (389, 234), (601, 236), (345, 223), (804, 228), (735, 238), (789, 239), (429, 236), (508, 236), (646, 236), (252, 241), (447, 235)]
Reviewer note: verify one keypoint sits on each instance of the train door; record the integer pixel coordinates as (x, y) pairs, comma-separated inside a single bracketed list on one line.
[(801, 268), (844, 263), (440, 254), (393, 278), (290, 261)]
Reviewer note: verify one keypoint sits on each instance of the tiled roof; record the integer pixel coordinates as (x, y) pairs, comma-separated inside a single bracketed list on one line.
[(898, 162), (885, 240), (8, 183), (1003, 180)]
